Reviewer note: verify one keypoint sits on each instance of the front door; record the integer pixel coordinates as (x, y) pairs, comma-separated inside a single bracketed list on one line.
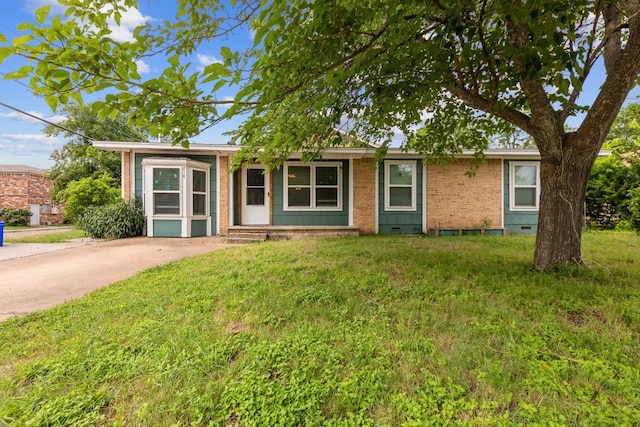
[(255, 196), (35, 214)]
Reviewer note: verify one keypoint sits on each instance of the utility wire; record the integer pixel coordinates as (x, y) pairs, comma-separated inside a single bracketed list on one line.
[(33, 116)]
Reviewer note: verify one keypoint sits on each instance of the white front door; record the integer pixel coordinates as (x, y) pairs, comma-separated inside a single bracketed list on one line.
[(35, 214), (255, 195)]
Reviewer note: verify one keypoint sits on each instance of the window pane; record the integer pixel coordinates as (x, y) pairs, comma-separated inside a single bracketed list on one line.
[(326, 197), (525, 175), (255, 196), (255, 178), (525, 197), (299, 175), (199, 181), (199, 204), (400, 174), (326, 175), (166, 179), (299, 196), (166, 203), (400, 196)]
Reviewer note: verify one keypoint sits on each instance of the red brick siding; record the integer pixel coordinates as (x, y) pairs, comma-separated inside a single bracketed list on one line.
[(457, 201), (364, 191), (21, 190), (223, 189)]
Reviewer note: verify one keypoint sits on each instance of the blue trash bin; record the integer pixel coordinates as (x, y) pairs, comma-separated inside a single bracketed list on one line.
[(1, 232)]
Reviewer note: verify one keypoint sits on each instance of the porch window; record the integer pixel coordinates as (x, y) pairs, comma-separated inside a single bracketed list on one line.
[(314, 186), (199, 195), (525, 186), (166, 191), (400, 188)]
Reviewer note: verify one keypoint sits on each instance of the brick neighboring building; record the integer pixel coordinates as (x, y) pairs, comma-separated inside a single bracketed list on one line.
[(26, 187)]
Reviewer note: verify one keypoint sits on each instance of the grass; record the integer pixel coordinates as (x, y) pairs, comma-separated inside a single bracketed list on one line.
[(368, 331), (50, 237)]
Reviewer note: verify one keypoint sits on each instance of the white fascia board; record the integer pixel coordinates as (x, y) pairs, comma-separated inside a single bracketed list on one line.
[(165, 147), (329, 154)]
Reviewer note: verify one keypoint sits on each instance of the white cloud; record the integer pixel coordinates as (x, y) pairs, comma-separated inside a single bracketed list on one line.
[(37, 138), (205, 60), (56, 8), (143, 67), (14, 115), (28, 144), (130, 19)]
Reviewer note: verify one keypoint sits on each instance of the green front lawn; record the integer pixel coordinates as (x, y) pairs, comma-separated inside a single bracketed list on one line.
[(355, 331)]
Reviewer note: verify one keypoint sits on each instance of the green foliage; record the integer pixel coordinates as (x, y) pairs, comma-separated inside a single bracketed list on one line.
[(77, 158), (369, 68), (380, 330), (114, 221), (612, 190), (79, 195), (15, 216), (634, 207)]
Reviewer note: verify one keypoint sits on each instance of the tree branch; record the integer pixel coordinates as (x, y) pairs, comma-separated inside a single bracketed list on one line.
[(620, 79), (477, 102), (545, 126)]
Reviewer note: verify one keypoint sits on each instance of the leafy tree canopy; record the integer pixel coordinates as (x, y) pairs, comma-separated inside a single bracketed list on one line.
[(81, 194), (77, 158), (613, 194), (373, 69)]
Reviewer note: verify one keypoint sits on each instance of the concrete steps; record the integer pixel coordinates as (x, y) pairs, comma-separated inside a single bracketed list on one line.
[(249, 234)]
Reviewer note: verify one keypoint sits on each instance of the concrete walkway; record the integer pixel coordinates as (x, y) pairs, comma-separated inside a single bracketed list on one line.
[(36, 276)]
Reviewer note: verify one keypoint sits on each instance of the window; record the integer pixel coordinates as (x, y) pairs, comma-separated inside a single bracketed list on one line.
[(199, 196), (176, 187), (525, 186), (400, 188), (166, 191), (255, 187), (312, 186)]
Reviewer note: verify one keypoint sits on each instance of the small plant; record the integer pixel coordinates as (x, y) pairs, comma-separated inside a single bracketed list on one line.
[(13, 217), (115, 221), (485, 223)]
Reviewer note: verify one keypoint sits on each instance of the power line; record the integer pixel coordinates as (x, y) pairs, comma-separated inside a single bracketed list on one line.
[(125, 132), (33, 116)]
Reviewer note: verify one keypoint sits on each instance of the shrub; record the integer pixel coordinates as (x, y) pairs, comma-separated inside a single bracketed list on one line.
[(79, 195), (15, 217), (634, 208), (115, 221)]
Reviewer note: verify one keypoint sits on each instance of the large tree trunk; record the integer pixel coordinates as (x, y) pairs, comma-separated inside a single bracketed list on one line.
[(562, 197)]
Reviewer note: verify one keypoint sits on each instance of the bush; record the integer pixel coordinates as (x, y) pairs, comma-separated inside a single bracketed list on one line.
[(79, 195), (634, 208), (15, 217), (115, 221)]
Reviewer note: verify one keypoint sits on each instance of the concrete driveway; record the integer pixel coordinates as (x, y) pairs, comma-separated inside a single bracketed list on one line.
[(37, 276)]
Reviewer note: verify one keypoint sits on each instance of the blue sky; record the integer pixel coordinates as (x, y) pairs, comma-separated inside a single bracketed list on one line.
[(21, 137)]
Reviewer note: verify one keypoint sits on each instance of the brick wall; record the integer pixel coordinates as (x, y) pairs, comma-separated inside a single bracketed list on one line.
[(126, 175), (223, 188), (457, 201), (21, 190), (364, 190)]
